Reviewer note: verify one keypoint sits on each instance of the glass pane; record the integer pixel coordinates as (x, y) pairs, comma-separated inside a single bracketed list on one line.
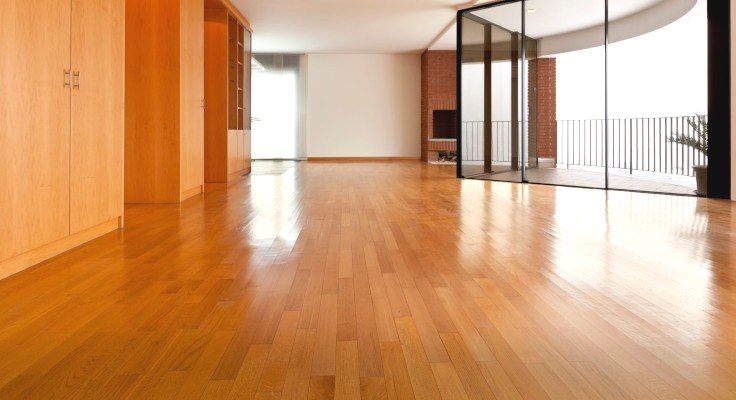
[(566, 92), (490, 115), (658, 96), (471, 112)]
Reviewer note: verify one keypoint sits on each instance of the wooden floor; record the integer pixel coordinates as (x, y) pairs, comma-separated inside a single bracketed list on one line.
[(385, 280)]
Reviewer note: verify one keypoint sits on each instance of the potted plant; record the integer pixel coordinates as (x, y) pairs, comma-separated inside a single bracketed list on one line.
[(699, 142)]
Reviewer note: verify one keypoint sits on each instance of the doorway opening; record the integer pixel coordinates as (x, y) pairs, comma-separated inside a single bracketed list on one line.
[(279, 82)]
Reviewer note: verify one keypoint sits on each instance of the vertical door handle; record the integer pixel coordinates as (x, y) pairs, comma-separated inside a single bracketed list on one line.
[(202, 103), (77, 80), (67, 78)]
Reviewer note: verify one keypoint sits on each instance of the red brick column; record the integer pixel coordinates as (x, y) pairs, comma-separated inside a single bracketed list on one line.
[(425, 105), (531, 96), (438, 91), (546, 107)]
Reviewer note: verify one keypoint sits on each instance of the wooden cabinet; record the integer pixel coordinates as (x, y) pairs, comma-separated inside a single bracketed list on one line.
[(61, 108), (97, 112), (164, 103), (227, 94), (192, 98)]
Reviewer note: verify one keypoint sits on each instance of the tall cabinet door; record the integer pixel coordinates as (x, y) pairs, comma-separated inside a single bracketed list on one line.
[(192, 94), (34, 124), (97, 49)]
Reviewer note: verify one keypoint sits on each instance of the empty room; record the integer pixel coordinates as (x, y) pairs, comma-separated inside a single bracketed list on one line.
[(367, 199)]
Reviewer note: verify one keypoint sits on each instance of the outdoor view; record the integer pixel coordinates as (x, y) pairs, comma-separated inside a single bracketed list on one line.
[(275, 114)]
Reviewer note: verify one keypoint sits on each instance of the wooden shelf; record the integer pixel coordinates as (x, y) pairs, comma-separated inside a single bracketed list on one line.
[(228, 142)]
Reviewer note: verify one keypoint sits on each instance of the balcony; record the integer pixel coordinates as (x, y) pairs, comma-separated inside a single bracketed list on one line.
[(641, 155)]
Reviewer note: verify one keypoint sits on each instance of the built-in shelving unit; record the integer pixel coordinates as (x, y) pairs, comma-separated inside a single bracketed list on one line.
[(227, 94)]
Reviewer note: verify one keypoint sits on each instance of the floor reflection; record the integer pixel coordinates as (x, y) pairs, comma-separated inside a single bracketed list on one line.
[(593, 178)]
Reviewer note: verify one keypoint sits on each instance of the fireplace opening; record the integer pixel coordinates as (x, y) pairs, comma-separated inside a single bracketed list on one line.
[(446, 156), (444, 124)]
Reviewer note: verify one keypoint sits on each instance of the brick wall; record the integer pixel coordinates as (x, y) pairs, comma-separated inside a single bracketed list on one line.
[(545, 108), (438, 93), (532, 76)]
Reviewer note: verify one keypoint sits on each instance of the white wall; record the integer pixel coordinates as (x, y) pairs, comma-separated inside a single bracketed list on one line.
[(363, 105)]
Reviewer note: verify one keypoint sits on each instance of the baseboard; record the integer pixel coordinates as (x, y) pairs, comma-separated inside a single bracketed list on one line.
[(28, 259), (190, 192), (236, 174), (362, 159)]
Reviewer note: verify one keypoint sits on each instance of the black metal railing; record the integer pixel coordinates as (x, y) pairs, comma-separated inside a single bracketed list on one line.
[(635, 144), (473, 142)]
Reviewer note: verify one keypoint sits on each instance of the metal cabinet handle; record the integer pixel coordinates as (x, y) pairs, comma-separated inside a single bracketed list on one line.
[(67, 78), (77, 80)]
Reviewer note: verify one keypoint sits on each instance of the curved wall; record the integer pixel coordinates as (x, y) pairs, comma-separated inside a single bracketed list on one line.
[(640, 23)]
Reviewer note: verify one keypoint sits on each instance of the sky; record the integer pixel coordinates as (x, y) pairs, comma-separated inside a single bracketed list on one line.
[(660, 74)]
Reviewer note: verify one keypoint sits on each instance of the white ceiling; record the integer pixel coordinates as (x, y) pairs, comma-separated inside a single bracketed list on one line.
[(347, 26), (391, 26)]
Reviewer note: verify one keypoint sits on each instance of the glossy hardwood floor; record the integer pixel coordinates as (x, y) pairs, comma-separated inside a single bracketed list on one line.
[(384, 280)]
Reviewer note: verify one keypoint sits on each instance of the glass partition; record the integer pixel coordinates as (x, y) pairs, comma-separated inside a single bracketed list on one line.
[(472, 160), (603, 94), (491, 82)]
